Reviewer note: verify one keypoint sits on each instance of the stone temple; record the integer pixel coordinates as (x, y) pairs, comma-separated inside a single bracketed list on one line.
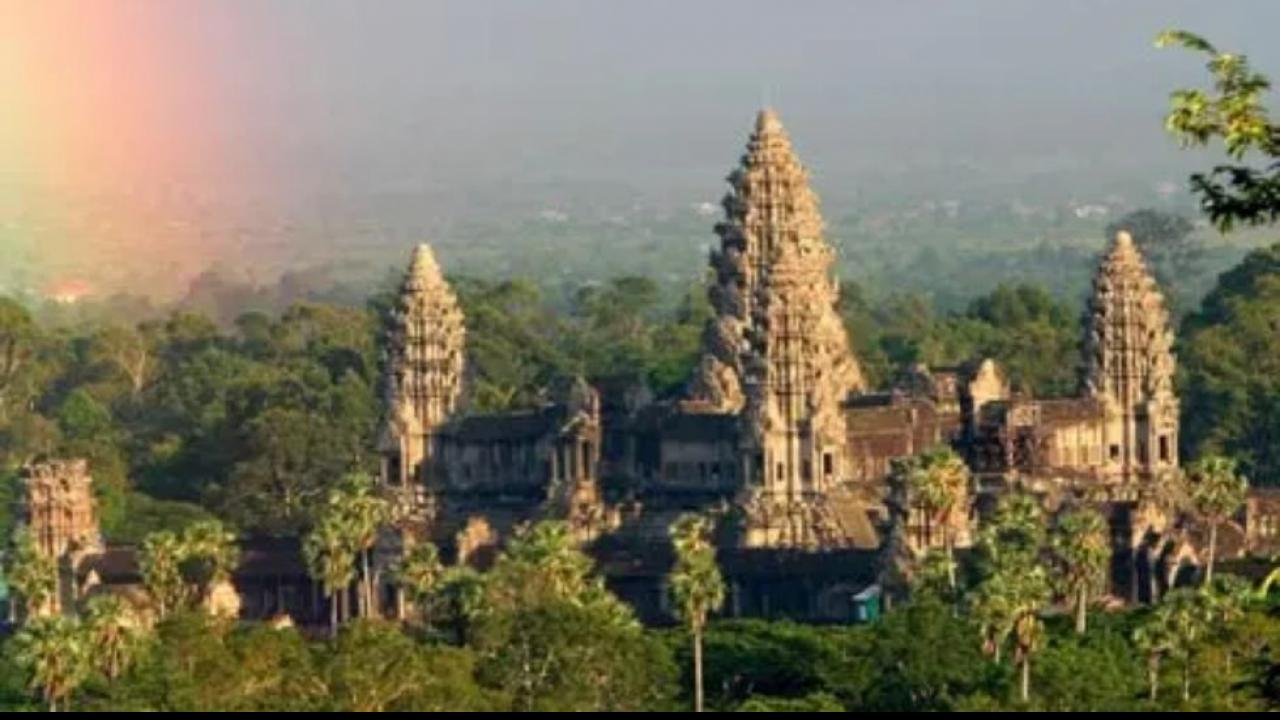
[(777, 431), (776, 434)]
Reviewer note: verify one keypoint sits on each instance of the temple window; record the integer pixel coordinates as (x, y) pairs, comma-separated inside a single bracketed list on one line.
[(828, 467), (1164, 448)]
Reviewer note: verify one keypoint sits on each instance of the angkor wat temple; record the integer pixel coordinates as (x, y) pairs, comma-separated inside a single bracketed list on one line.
[(777, 434)]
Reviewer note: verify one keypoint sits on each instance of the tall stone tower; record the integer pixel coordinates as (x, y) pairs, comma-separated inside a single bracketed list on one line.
[(1129, 367), (425, 368), (771, 221), (59, 510), (777, 351)]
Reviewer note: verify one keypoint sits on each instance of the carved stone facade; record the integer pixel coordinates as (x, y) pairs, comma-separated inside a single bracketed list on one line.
[(777, 432), (797, 369), (1130, 367), (59, 511), (777, 436), (770, 246), (426, 350)]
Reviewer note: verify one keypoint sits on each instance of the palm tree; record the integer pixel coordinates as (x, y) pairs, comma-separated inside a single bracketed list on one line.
[(363, 514), (1183, 617), (991, 611), (542, 560), (1015, 535), (113, 632), (463, 591), (331, 561), (940, 480), (1226, 603), (161, 566), (209, 555), (1016, 588), (1082, 546), (32, 574), (1154, 640), (54, 653), (696, 584), (420, 572), (1028, 594), (1216, 492)]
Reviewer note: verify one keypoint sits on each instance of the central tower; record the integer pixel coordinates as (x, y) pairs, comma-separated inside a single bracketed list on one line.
[(776, 352)]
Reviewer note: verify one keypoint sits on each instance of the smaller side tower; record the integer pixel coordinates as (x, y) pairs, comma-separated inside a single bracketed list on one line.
[(60, 512), (425, 363)]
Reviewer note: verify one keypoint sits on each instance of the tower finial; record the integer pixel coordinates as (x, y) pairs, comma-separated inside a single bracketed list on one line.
[(424, 261), (767, 121)]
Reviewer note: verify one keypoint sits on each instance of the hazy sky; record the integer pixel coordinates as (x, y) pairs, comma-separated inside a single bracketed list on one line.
[(387, 105), (389, 93)]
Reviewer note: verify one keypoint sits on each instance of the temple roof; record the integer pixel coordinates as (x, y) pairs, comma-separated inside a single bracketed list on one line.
[(509, 427), (767, 121)]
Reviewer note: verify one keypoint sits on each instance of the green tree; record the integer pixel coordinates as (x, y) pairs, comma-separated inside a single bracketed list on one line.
[(1015, 535), (1154, 639), (1016, 587), (1028, 596), (1231, 111), (940, 481), (330, 559), (696, 585), (1081, 545), (161, 565), (922, 658), (129, 352), (1230, 359), (32, 574), (367, 513), (374, 668), (18, 339), (114, 634), (551, 637), (209, 555), (277, 670), (419, 575), (1175, 628), (55, 655), (460, 594), (1216, 492), (1009, 603)]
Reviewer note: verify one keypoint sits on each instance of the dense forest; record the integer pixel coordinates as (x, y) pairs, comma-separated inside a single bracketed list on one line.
[(538, 632), (251, 416), (202, 426)]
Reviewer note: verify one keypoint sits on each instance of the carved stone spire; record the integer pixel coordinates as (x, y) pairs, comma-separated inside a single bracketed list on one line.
[(58, 509), (426, 355), (1129, 365), (771, 217), (776, 351)]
